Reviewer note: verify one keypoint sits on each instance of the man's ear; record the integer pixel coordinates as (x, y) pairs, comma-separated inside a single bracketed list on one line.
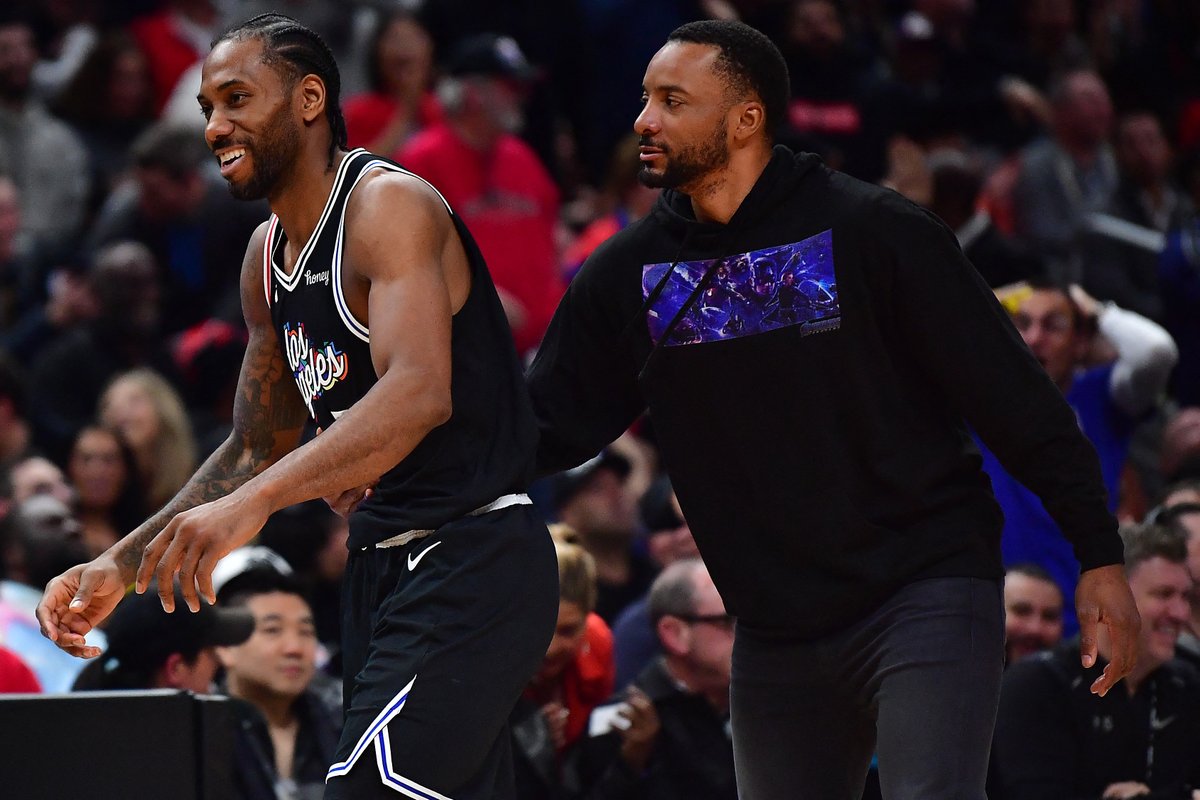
[(675, 635), (312, 98), (750, 120)]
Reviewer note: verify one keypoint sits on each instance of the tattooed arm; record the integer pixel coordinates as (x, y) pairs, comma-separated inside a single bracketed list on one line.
[(268, 418)]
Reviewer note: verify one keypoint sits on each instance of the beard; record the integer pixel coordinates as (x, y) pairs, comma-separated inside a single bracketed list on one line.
[(277, 148), (688, 164)]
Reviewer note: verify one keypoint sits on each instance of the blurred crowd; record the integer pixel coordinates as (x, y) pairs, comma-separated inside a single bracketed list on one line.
[(1058, 139)]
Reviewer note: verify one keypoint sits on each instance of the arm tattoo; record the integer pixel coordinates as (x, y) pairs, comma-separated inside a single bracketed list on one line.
[(268, 418)]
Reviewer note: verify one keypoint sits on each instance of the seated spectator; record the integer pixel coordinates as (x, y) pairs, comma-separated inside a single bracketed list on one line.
[(1033, 612), (195, 230), (668, 539), (15, 676), (287, 735), (594, 500), (36, 475), (1070, 175), (400, 73), (576, 675), (39, 539), (1055, 739), (151, 649), (956, 185), (43, 156), (108, 102), (103, 470), (1183, 516), (1121, 248), (493, 180), (76, 367), (672, 737), (1059, 326), (312, 540), (150, 416)]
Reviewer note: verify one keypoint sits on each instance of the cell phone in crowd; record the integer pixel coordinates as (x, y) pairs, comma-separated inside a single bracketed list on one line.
[(605, 719)]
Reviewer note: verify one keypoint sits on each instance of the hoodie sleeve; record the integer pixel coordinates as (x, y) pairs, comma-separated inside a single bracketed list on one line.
[(960, 337), (583, 380)]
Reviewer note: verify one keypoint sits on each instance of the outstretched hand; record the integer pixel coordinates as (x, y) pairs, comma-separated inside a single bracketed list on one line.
[(79, 600), (193, 543), (1103, 598)]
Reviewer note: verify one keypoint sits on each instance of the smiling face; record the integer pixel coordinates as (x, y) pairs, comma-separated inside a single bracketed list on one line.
[(254, 122), (684, 125), (280, 657), (1161, 589)]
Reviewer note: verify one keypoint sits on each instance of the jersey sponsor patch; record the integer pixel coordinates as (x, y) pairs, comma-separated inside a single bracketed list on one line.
[(747, 293), (316, 369)]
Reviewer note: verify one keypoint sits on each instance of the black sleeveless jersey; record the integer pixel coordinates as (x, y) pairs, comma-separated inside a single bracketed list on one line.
[(486, 448)]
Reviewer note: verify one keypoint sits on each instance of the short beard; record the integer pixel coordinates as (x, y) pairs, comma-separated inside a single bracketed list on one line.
[(689, 164), (277, 149)]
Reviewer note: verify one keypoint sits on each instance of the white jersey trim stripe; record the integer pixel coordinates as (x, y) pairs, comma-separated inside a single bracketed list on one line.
[(267, 247), (290, 282), (405, 786), (352, 324), (385, 716)]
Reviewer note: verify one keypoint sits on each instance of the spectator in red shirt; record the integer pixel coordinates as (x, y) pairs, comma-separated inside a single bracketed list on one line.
[(400, 71), (15, 676), (493, 180)]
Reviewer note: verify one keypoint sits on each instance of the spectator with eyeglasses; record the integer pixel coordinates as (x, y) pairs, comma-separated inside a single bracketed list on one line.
[(1061, 325), (680, 746)]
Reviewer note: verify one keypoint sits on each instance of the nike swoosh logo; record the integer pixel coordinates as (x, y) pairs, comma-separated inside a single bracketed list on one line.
[(413, 560)]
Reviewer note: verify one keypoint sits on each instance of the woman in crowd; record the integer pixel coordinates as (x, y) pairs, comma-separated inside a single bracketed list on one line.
[(151, 416), (103, 471), (400, 103)]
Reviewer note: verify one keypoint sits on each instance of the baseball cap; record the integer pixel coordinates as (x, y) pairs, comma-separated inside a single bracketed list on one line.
[(569, 483), (245, 559), (141, 634), (490, 54)]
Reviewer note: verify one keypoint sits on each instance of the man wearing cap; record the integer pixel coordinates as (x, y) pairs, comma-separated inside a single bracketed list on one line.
[(596, 501), (495, 180), (287, 733), (151, 649)]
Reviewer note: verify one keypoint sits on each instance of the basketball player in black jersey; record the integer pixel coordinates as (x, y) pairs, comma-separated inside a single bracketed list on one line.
[(370, 311)]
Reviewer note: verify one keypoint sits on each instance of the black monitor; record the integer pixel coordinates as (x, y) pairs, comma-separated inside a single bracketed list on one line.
[(116, 746)]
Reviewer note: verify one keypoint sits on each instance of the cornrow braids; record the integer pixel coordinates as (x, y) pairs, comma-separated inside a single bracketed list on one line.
[(298, 51)]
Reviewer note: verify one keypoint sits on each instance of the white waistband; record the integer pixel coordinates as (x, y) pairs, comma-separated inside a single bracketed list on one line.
[(503, 501)]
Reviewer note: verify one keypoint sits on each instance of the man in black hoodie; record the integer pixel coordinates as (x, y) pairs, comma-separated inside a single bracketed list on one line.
[(822, 456)]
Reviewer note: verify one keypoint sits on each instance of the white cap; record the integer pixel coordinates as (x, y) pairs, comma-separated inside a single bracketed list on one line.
[(246, 558)]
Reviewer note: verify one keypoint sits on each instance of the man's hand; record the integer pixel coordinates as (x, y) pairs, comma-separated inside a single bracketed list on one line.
[(637, 740), (194, 542), (1103, 598), (1125, 790), (77, 601)]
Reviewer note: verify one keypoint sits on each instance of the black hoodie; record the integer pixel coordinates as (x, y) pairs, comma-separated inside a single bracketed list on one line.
[(812, 398)]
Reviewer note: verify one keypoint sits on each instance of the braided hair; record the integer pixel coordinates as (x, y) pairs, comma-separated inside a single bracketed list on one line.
[(297, 51)]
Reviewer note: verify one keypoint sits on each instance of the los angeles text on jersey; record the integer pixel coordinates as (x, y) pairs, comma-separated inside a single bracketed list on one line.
[(316, 370)]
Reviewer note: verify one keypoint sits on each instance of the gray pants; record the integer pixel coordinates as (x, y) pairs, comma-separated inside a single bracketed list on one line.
[(917, 681)]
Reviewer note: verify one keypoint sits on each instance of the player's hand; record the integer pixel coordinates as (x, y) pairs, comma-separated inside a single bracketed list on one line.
[(1125, 790), (1103, 598), (637, 740), (347, 502), (194, 542), (77, 601)]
